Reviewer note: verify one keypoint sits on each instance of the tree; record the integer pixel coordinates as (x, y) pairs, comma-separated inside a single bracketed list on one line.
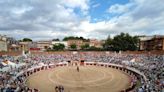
[(73, 46), (68, 38), (85, 46), (74, 38), (58, 46), (55, 39), (108, 44), (27, 40), (122, 42)]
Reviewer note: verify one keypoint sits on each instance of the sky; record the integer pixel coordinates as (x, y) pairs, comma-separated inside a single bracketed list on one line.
[(48, 19)]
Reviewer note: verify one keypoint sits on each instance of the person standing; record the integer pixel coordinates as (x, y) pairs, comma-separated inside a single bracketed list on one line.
[(56, 89), (78, 68)]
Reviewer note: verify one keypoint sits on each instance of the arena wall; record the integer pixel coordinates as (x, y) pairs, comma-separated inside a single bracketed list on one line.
[(67, 52), (123, 52), (15, 53)]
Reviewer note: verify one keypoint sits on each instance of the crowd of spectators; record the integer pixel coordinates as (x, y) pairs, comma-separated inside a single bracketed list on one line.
[(149, 64), (9, 81)]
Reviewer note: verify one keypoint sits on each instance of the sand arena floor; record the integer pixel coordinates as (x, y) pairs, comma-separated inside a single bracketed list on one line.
[(88, 79)]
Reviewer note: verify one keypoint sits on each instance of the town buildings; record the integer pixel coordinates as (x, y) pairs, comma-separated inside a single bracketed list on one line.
[(43, 45), (3, 45), (27, 45), (155, 42), (96, 43), (77, 42), (8, 43)]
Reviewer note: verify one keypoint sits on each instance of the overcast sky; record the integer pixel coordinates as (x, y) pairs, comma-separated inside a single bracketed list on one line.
[(47, 19)]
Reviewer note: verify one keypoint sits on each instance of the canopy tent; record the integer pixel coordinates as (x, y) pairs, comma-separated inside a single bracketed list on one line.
[(8, 63), (132, 62)]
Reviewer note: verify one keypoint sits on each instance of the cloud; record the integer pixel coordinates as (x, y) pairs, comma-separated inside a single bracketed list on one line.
[(35, 16), (150, 9), (139, 17), (117, 8), (96, 5), (83, 4), (40, 19)]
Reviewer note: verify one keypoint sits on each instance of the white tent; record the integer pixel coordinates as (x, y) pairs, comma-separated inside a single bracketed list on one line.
[(75, 52), (126, 62), (11, 63), (7, 62), (41, 64), (133, 60), (3, 63)]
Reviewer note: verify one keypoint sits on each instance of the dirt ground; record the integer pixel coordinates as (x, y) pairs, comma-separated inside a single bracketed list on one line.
[(88, 79)]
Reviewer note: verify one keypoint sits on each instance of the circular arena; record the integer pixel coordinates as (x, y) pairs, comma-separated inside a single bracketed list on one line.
[(82, 77), (87, 79), (82, 72)]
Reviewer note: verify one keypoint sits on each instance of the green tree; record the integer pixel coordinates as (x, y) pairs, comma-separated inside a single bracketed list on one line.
[(125, 42), (122, 42), (55, 39), (108, 44), (69, 38), (58, 46), (85, 46), (73, 46), (27, 40), (74, 38)]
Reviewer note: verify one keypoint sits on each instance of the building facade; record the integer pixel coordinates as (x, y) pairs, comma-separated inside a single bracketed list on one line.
[(8, 43), (43, 45), (25, 45), (96, 43), (3, 43), (155, 42), (13, 44), (77, 42)]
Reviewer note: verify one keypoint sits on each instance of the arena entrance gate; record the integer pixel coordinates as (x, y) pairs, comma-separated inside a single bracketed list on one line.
[(75, 63), (82, 62)]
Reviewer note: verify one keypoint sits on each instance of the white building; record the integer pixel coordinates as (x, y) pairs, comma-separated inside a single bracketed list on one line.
[(3, 43), (8, 43), (43, 45)]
